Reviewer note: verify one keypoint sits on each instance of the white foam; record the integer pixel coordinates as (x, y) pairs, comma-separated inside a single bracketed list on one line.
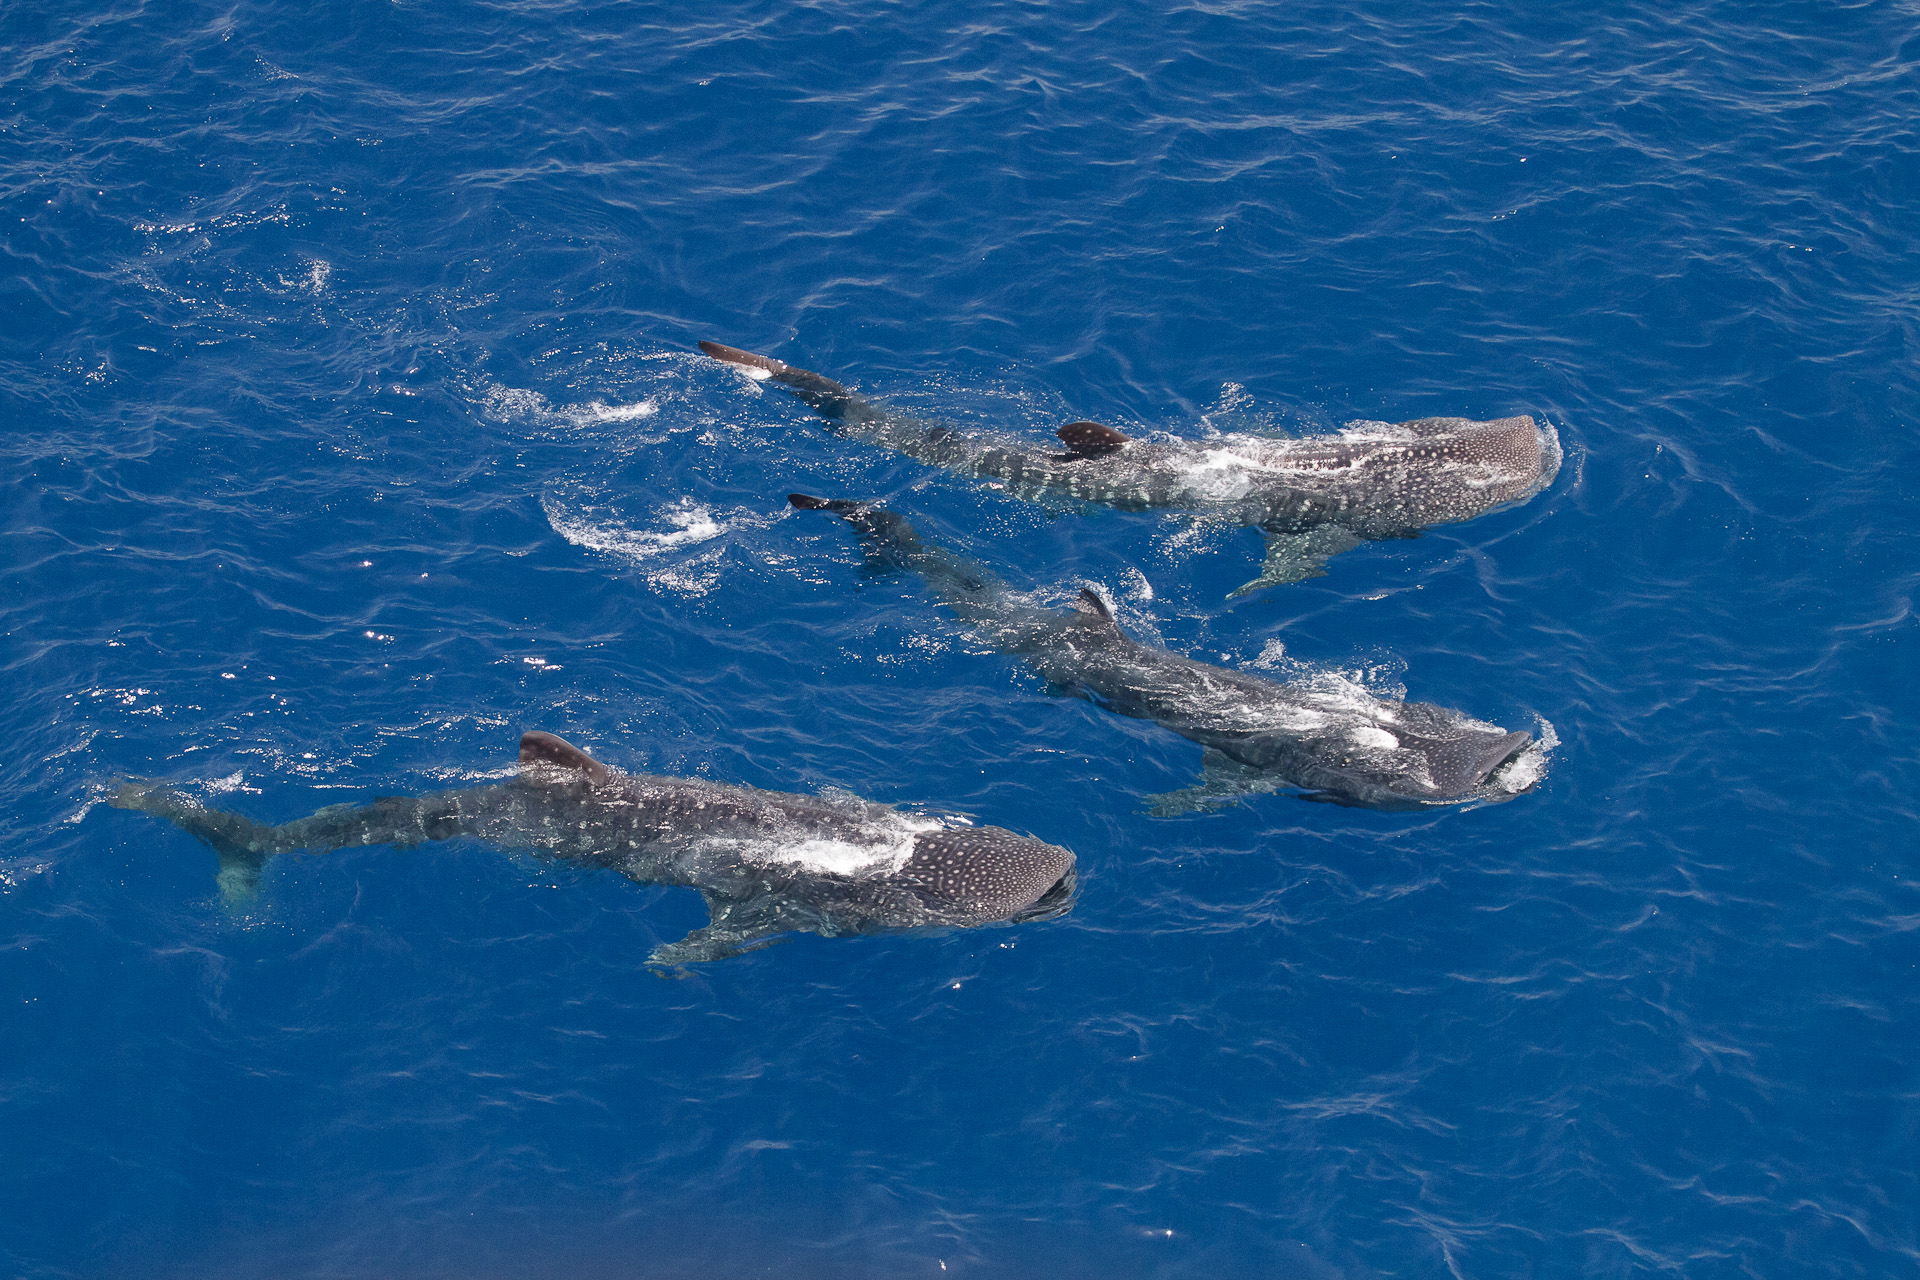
[(1368, 430), (512, 402), (1522, 772), (1526, 769), (597, 411), (13, 874), (515, 403), (1363, 706), (1272, 653), (1221, 474), (662, 552), (881, 845), (1225, 703), (1232, 467), (1237, 458), (688, 522), (1373, 737)]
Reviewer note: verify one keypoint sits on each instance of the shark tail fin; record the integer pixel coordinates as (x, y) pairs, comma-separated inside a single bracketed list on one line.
[(863, 516), (764, 365), (892, 543), (819, 392), (242, 845), (890, 540)]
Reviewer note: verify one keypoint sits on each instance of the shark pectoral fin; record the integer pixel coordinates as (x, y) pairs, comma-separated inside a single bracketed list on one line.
[(1223, 780), (715, 942), (1295, 557), (738, 926), (242, 845)]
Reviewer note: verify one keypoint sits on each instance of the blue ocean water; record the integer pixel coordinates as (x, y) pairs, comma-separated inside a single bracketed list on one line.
[(352, 425)]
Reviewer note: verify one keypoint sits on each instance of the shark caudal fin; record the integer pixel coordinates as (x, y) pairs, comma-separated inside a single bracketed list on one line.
[(822, 394), (890, 541), (242, 844), (765, 366), (839, 506)]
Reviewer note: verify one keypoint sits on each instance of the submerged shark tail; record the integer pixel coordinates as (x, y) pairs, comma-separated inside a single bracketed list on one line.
[(893, 542), (886, 534), (882, 528), (242, 844)]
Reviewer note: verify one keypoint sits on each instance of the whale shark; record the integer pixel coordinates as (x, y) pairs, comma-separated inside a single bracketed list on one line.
[(1328, 738), (767, 862), (1314, 496)]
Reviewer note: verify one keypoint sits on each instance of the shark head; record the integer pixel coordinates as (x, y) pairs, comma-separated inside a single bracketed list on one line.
[(1525, 451), (1417, 765), (1520, 455), (979, 874), (1465, 766)]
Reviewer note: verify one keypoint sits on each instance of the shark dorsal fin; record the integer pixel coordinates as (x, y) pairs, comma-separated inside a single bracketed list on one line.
[(550, 748), (1091, 606), (1090, 439)]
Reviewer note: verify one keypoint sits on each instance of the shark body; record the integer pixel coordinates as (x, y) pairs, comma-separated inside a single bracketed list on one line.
[(767, 862), (1333, 742), (1313, 496)]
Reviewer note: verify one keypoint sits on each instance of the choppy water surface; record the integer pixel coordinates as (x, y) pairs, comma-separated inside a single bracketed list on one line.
[(353, 425)]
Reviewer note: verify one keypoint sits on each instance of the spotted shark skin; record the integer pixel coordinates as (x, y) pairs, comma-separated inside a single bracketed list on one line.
[(754, 855), (1314, 496), (1339, 745)]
